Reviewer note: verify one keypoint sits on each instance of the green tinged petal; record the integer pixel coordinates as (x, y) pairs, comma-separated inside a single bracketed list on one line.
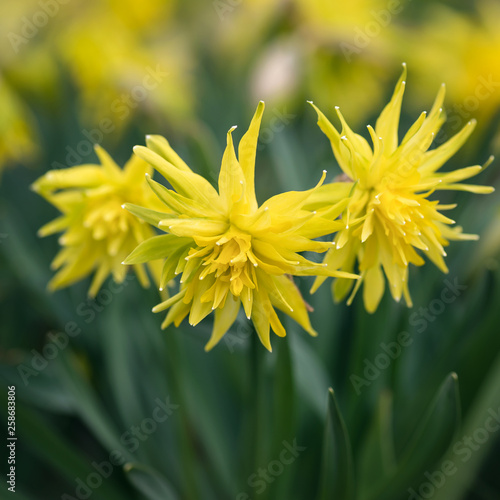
[(187, 184), (340, 151), (157, 247), (150, 216), (175, 202)]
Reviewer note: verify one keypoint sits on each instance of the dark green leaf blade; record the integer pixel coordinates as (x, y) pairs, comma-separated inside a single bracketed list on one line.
[(337, 475), (429, 443), (149, 482)]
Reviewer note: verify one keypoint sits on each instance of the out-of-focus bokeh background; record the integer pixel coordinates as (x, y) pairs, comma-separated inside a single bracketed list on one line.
[(97, 378)]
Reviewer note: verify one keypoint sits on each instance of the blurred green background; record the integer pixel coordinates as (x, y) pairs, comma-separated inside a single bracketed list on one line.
[(239, 422)]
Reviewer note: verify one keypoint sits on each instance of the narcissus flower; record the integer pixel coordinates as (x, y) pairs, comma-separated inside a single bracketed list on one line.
[(390, 222), (98, 232), (227, 250)]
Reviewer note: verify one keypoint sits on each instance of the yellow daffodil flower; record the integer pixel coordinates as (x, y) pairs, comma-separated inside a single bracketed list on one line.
[(390, 216), (98, 232), (227, 250)]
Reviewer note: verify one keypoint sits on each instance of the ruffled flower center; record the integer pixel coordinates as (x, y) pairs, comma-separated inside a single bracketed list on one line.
[(230, 263)]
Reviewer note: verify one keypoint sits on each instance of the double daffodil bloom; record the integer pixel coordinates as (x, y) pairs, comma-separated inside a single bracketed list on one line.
[(226, 249), (390, 220), (98, 232)]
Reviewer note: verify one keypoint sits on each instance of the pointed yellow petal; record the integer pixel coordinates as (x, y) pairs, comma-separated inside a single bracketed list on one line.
[(82, 176), (231, 179), (109, 165), (471, 188), (150, 216), (328, 195), (291, 200), (224, 318), (57, 225), (187, 184), (246, 155), (388, 122), (289, 300), (276, 325), (247, 301), (161, 146), (434, 159), (359, 143), (373, 288), (177, 203), (260, 317), (99, 277), (339, 150), (163, 306)]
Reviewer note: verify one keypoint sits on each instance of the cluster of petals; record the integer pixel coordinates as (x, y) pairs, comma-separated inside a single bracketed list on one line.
[(229, 253), (391, 220), (97, 233)]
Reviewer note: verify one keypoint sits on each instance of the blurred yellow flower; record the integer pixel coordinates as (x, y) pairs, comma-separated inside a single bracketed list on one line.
[(227, 249), (389, 215), (16, 131), (463, 49), (342, 21), (98, 232), (125, 64), (140, 16)]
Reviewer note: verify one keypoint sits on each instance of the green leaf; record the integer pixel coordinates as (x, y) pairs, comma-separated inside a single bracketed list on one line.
[(377, 456), (284, 396), (309, 372), (87, 404), (53, 449), (151, 484), (284, 415), (19, 495), (337, 475), (428, 443), (136, 375), (40, 388), (486, 404), (288, 161)]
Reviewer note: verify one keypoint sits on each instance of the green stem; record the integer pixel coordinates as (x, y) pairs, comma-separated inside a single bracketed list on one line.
[(258, 395), (186, 442)]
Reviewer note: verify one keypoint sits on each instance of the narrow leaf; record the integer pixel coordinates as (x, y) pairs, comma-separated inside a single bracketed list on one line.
[(337, 475), (149, 482)]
